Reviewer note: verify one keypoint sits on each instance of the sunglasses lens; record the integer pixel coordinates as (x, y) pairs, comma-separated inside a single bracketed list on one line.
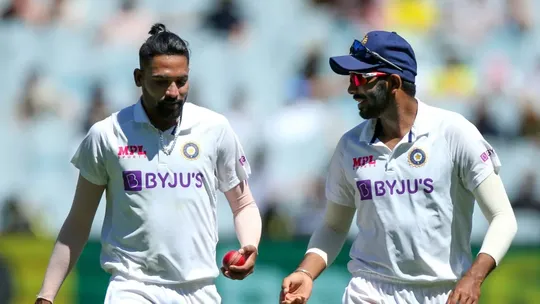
[(358, 49), (357, 80)]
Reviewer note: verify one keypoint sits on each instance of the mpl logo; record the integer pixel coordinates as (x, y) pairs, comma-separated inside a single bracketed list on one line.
[(369, 189), (242, 160), (363, 162), (131, 152), (137, 180)]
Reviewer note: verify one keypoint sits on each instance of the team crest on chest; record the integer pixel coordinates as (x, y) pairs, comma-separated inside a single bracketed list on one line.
[(190, 150), (417, 157)]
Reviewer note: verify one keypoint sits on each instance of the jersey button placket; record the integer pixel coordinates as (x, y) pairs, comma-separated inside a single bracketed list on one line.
[(388, 163)]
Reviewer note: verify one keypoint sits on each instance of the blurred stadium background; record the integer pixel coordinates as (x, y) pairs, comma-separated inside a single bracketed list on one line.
[(65, 64)]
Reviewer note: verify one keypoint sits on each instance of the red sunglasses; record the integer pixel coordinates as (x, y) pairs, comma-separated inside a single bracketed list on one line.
[(360, 79)]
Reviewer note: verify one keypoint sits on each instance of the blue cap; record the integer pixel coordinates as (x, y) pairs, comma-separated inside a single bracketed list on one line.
[(390, 46)]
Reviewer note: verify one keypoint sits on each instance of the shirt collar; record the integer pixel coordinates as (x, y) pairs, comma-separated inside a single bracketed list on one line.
[(188, 117), (422, 122), (139, 114), (421, 125)]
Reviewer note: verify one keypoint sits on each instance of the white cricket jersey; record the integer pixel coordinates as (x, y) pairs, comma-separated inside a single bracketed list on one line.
[(415, 203), (161, 220)]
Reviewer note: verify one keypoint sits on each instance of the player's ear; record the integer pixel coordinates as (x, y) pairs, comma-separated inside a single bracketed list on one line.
[(395, 83), (137, 76)]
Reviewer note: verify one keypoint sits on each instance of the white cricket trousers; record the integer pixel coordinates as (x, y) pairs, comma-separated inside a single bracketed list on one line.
[(125, 291), (366, 288)]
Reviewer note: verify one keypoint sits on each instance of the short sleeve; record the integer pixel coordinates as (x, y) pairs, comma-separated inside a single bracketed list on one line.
[(232, 164), (90, 157), (473, 156), (338, 189)]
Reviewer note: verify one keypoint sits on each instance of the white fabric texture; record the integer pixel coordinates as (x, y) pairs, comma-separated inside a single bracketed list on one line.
[(415, 201), (328, 239), (247, 218), (123, 290), (495, 205), (368, 290), (160, 223)]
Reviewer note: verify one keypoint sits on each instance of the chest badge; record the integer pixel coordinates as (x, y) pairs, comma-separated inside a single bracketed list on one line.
[(417, 157), (190, 151)]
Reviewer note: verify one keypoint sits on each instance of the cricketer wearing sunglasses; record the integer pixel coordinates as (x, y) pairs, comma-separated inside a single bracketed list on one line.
[(411, 173)]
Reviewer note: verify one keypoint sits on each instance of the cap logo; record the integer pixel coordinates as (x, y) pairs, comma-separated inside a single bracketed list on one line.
[(364, 41)]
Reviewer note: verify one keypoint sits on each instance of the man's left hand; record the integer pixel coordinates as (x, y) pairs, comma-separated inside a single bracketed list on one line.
[(241, 272), (467, 291)]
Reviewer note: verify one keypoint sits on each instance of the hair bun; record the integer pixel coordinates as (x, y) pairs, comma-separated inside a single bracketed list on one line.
[(157, 28)]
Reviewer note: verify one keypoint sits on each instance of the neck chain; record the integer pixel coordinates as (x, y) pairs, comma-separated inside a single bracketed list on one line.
[(173, 142)]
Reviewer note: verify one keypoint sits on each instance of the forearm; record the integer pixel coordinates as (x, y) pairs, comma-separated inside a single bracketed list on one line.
[(248, 225), (323, 248), (327, 242), (501, 231), (314, 264), (328, 239), (495, 205), (482, 266), (66, 251), (493, 201), (247, 219)]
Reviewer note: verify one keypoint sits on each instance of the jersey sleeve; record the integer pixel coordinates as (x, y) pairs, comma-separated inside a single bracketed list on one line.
[(90, 156), (473, 156), (338, 189), (232, 164)]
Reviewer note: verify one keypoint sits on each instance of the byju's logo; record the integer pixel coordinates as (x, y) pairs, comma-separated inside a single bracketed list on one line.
[(137, 180), (487, 154), (131, 152), (368, 189), (364, 187)]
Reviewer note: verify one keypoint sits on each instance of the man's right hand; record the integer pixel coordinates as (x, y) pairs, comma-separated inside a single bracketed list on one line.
[(42, 301), (296, 289)]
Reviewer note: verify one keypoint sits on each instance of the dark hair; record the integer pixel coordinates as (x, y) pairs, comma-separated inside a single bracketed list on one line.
[(406, 86), (162, 42), (409, 88)]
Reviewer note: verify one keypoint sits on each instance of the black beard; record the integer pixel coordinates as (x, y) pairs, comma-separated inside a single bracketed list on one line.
[(170, 109), (376, 102)]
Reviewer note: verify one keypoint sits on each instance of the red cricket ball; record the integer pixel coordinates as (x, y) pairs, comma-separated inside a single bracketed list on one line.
[(233, 257)]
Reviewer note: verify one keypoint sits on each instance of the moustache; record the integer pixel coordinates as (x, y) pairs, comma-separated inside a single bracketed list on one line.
[(171, 101)]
